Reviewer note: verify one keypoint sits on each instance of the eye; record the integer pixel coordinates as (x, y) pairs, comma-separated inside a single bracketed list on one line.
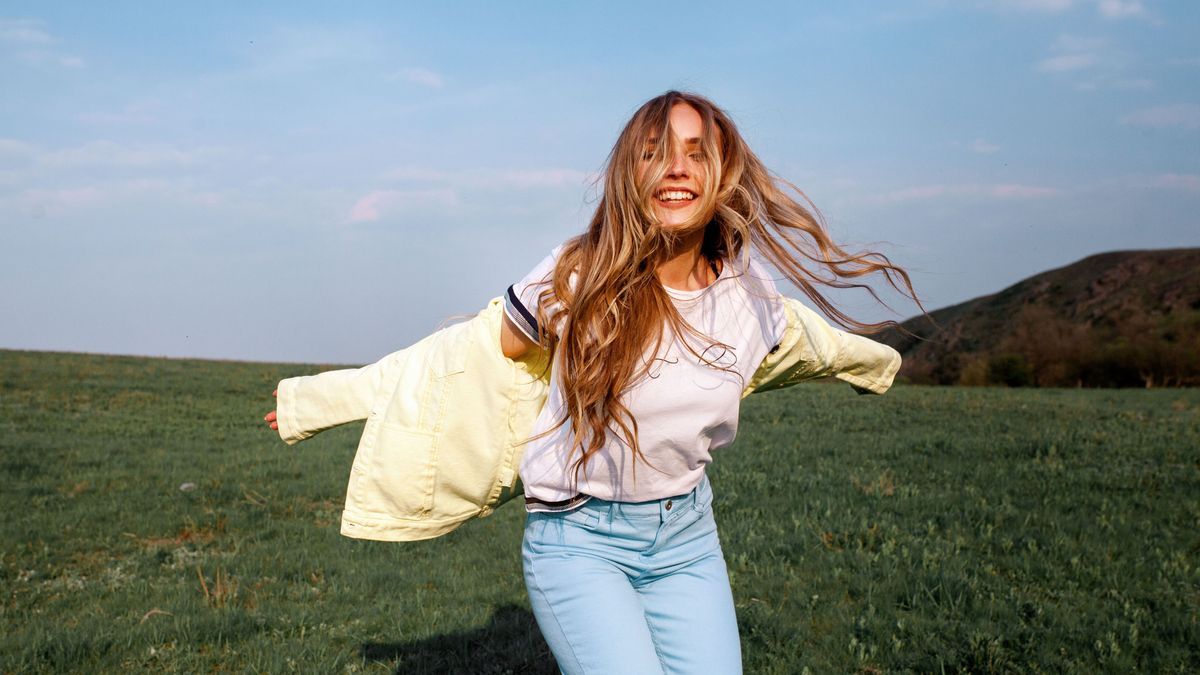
[(697, 156), (647, 155)]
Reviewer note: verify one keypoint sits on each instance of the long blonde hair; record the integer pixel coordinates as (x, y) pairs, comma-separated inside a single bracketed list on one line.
[(605, 307)]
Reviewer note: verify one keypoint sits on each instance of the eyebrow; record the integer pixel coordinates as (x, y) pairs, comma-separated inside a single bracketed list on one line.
[(686, 141)]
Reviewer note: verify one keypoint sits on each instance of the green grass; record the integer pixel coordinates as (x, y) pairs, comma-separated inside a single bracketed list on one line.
[(929, 530)]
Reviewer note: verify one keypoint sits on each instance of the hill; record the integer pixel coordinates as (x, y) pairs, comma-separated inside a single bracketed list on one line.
[(1124, 318)]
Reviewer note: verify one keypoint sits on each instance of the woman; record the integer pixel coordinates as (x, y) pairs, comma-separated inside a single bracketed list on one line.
[(646, 331), (654, 319)]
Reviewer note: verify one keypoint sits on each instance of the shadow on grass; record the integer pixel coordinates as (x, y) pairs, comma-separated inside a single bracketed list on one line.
[(509, 643)]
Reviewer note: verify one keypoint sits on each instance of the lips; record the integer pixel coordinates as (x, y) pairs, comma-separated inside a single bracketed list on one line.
[(675, 197)]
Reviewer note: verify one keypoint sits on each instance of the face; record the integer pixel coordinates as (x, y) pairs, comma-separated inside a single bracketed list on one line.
[(677, 197)]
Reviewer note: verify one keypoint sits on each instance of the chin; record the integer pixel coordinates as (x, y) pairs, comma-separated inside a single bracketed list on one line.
[(681, 221)]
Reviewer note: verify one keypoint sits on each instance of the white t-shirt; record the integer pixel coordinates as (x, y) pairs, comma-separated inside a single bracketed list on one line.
[(684, 408)]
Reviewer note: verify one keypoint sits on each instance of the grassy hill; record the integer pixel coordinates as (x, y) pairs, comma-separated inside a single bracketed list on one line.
[(1125, 318), (152, 523)]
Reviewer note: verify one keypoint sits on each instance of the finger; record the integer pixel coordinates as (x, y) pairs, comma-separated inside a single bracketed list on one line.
[(275, 393), (275, 426), (270, 417)]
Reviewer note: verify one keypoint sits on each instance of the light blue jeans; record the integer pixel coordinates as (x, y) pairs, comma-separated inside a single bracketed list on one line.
[(633, 588)]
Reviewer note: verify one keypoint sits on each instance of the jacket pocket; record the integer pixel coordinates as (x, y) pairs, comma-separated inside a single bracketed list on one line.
[(397, 477)]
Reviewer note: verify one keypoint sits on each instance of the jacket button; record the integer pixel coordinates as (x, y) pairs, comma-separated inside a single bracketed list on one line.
[(668, 505)]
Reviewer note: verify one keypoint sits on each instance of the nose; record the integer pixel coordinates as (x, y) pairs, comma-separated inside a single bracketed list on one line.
[(678, 167)]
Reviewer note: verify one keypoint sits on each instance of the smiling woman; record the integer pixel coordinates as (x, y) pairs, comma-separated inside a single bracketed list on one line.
[(643, 334), (654, 320)]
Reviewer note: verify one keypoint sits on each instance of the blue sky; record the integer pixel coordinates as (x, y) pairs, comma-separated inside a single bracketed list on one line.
[(329, 182)]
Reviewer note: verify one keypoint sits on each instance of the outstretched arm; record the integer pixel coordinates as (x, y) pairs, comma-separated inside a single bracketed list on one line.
[(308, 405), (812, 348)]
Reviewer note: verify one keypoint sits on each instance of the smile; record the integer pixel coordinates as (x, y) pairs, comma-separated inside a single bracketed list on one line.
[(676, 196)]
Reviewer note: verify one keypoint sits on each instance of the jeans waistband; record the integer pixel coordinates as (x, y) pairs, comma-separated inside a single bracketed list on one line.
[(699, 497)]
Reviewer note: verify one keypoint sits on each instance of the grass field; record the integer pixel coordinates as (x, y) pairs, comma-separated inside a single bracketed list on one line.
[(928, 530)]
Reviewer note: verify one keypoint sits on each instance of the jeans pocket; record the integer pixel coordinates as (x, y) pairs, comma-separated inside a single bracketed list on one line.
[(572, 530), (581, 517)]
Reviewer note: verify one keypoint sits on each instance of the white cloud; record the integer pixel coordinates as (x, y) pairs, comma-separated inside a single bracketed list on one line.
[(532, 178), (1047, 6), (85, 194), (65, 198), (994, 191), (983, 147), (366, 209), (1182, 115), (919, 192), (107, 154), (378, 204), (1121, 9), (1188, 182), (1072, 52), (41, 57), (421, 76), (422, 187), (492, 178), (31, 43), (418, 174), (1135, 83), (23, 32), (13, 150), (116, 169), (1089, 63), (144, 112), (1014, 191), (1066, 63), (1126, 84), (1109, 9), (1068, 42)]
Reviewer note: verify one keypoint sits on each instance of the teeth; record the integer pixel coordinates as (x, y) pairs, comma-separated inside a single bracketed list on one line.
[(675, 195)]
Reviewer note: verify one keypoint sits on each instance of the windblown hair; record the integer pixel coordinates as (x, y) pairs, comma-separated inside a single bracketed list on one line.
[(605, 308)]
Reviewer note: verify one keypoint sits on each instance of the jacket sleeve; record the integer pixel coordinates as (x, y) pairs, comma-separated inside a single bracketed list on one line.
[(811, 348), (311, 404)]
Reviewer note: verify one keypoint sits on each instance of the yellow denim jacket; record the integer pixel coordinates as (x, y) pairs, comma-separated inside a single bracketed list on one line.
[(448, 416)]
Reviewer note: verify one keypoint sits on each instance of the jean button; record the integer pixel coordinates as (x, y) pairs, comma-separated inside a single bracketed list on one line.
[(668, 505)]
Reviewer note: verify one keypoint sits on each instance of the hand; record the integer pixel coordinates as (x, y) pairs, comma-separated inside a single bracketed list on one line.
[(271, 418)]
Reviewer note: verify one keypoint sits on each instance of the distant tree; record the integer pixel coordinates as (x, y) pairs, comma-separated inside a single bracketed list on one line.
[(1109, 366), (975, 373), (1180, 340), (1156, 351), (1051, 344), (947, 367), (918, 370), (1010, 370)]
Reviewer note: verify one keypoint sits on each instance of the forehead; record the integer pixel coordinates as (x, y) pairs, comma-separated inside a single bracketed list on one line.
[(686, 124)]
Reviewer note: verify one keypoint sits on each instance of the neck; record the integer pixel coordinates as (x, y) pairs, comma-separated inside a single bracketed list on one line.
[(685, 267)]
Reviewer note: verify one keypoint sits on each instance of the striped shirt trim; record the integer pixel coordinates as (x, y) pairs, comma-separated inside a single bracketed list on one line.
[(540, 506), (522, 317)]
